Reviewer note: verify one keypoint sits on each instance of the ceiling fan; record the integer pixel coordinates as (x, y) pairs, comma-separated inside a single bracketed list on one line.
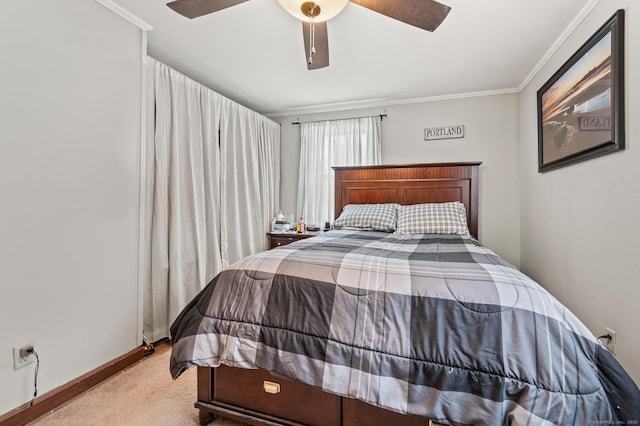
[(424, 14)]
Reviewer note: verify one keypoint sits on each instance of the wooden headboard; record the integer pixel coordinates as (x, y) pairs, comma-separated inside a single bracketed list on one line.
[(410, 184)]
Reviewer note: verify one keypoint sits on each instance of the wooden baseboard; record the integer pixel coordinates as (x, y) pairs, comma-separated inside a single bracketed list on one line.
[(44, 404)]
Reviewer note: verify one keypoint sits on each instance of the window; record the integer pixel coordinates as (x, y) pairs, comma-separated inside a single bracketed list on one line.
[(324, 144)]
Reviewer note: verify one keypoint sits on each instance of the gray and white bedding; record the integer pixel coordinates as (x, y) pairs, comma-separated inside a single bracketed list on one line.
[(429, 324)]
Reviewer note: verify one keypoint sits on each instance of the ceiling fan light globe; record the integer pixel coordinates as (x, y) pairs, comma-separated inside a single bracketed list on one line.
[(328, 8)]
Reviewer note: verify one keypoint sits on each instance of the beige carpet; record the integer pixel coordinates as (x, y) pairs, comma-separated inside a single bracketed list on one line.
[(143, 394)]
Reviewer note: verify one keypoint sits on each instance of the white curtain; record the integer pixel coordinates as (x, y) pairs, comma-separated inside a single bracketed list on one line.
[(187, 201), (324, 144), (250, 149)]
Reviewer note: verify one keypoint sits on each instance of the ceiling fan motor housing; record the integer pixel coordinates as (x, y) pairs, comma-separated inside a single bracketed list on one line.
[(319, 10), (310, 9)]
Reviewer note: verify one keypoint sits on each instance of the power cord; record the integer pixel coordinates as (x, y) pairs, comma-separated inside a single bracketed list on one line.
[(605, 336), (29, 350)]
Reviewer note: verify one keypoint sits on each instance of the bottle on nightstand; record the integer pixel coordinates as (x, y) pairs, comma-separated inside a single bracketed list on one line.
[(300, 226)]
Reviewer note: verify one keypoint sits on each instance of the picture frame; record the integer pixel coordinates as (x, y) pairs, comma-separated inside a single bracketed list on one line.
[(581, 107)]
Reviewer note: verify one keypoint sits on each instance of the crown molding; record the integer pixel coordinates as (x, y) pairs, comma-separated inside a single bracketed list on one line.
[(559, 42), (109, 4), (384, 102)]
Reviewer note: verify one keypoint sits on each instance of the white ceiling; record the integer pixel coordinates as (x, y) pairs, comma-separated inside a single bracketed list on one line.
[(253, 53)]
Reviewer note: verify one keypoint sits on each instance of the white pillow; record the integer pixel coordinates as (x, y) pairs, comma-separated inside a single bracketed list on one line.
[(377, 217), (433, 218)]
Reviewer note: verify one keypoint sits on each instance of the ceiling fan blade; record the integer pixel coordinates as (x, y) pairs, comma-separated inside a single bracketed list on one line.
[(321, 40), (425, 14), (195, 8)]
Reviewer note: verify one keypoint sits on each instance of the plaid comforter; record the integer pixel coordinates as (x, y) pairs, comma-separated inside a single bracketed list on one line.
[(432, 325)]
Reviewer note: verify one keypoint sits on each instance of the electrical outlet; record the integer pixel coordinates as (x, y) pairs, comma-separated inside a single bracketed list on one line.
[(19, 360), (611, 343)]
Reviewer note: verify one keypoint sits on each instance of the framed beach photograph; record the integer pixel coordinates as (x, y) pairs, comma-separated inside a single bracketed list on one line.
[(581, 107)]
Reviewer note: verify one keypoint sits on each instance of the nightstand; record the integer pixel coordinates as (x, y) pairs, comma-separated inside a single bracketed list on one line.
[(277, 239)]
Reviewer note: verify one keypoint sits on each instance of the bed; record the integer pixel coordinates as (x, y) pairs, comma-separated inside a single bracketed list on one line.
[(395, 318)]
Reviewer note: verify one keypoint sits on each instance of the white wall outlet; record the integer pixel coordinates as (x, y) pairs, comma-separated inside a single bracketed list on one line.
[(20, 361), (611, 343)]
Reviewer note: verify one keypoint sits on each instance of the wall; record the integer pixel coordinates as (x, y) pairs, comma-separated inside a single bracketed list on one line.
[(69, 164), (580, 224), (491, 136)]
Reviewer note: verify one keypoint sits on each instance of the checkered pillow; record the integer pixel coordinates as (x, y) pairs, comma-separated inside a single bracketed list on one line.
[(378, 217), (435, 218)]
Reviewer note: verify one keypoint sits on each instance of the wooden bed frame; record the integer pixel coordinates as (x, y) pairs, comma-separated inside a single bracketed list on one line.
[(250, 396)]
